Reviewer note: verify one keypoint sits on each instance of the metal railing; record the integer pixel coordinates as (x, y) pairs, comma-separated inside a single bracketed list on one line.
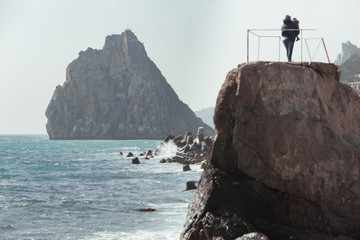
[(252, 31)]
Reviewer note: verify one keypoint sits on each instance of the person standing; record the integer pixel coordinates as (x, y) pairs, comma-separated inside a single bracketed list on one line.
[(289, 32)]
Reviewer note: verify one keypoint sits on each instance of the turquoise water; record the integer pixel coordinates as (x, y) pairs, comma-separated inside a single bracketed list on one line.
[(86, 190)]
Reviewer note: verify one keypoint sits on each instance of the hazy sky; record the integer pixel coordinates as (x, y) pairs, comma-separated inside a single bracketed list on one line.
[(193, 42)]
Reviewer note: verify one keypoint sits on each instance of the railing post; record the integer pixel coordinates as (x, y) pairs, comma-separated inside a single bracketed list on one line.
[(279, 48), (258, 48), (247, 58), (327, 55), (301, 35)]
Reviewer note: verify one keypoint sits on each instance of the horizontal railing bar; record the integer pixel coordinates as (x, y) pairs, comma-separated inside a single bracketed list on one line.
[(270, 36), (302, 29)]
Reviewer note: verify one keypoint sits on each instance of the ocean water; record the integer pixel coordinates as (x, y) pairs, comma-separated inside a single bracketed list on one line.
[(86, 190)]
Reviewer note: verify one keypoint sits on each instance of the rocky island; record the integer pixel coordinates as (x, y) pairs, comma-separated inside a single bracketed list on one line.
[(285, 162), (117, 93)]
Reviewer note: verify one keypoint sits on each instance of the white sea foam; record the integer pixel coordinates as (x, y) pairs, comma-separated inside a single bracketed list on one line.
[(136, 235), (167, 149)]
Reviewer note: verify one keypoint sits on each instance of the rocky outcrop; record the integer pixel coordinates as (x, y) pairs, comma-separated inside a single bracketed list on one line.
[(348, 49), (350, 69), (117, 93), (286, 158)]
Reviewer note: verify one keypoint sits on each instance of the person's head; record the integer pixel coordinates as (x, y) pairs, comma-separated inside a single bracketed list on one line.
[(295, 21), (287, 16)]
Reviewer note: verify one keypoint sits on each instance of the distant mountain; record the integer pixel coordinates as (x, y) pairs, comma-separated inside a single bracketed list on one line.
[(350, 69), (348, 49), (349, 63), (117, 93), (207, 115)]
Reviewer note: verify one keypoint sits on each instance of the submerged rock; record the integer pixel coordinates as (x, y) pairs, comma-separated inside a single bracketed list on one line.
[(145, 209), (286, 156)]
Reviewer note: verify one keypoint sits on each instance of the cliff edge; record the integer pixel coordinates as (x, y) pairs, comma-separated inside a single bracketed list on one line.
[(285, 161), (117, 93)]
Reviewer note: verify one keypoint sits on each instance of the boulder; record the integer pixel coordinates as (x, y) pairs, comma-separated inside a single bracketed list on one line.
[(185, 149), (163, 160), (178, 138), (178, 159), (189, 140), (191, 185), (135, 160), (187, 134), (186, 168), (130, 154), (195, 147), (200, 134), (168, 138), (208, 141), (286, 155), (181, 144), (148, 153)]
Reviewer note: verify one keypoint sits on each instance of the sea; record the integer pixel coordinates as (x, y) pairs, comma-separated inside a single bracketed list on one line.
[(84, 189)]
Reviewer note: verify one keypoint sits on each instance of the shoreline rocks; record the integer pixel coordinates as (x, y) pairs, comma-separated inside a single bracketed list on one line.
[(192, 151)]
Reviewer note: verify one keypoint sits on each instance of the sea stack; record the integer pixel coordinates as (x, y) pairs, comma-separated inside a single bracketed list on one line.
[(117, 93), (285, 161)]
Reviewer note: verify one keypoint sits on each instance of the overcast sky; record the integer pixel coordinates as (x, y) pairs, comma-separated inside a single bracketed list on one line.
[(194, 43)]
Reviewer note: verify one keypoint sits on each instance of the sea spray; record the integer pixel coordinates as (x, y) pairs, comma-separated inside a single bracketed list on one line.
[(167, 149)]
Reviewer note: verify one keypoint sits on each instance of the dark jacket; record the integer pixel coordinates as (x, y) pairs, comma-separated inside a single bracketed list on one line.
[(288, 24)]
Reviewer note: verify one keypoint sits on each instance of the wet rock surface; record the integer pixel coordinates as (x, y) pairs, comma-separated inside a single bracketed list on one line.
[(285, 159)]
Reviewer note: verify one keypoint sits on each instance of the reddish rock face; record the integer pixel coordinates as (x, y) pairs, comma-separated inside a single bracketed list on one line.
[(295, 130)]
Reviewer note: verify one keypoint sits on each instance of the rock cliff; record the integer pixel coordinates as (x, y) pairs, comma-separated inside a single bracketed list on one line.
[(350, 69), (285, 161), (117, 93), (348, 49)]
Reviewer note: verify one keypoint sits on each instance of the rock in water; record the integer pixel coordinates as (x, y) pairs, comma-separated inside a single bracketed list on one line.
[(117, 93), (286, 156), (135, 160)]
